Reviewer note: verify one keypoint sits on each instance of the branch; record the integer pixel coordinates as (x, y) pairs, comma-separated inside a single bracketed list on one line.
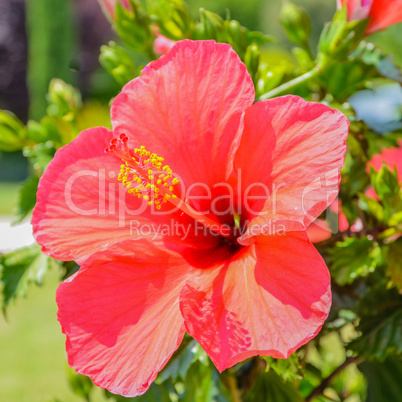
[(327, 381), (287, 86), (341, 236), (232, 385), (332, 240)]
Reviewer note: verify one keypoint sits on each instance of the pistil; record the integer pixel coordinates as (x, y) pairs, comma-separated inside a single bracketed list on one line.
[(145, 176)]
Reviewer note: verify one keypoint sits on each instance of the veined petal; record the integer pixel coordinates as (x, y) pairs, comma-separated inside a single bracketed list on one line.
[(81, 207), (288, 163), (269, 300), (121, 315), (187, 107)]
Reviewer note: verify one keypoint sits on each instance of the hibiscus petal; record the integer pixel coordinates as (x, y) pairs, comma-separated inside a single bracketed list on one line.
[(187, 107), (288, 163), (81, 207), (384, 13), (269, 300), (357, 9), (121, 315)]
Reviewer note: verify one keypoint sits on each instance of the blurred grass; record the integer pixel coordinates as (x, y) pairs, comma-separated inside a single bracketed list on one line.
[(8, 197), (32, 356)]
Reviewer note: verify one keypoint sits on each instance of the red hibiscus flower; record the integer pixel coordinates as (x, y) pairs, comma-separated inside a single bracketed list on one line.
[(108, 6), (382, 13), (210, 240)]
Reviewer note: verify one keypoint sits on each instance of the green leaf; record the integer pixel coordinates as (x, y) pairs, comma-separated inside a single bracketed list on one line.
[(26, 198), (12, 132), (172, 18), (354, 178), (351, 259), (64, 100), (269, 387), (133, 26), (19, 268), (180, 362), (395, 219), (213, 26), (70, 268), (377, 142), (81, 385), (257, 37), (252, 59), (345, 78), (340, 37), (288, 369), (199, 383), (39, 156), (371, 206), (380, 324), (271, 76), (374, 56), (117, 61), (236, 37), (155, 393), (394, 263), (383, 379), (296, 22), (385, 183), (44, 131)]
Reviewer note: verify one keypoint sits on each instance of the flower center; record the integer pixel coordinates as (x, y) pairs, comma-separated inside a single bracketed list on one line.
[(145, 176)]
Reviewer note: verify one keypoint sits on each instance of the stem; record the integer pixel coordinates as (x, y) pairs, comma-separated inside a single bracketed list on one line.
[(332, 240), (287, 86), (327, 381), (377, 232), (232, 384)]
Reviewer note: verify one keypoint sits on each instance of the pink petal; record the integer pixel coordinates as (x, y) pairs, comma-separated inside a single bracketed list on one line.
[(162, 44), (121, 315), (108, 6), (357, 9), (82, 208), (270, 299), (290, 156), (384, 13), (320, 229), (187, 107)]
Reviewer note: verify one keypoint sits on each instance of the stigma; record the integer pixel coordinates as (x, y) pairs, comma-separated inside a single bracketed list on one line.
[(145, 176), (143, 173)]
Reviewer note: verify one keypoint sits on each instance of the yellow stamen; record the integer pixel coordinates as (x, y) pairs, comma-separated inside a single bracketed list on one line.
[(145, 176)]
